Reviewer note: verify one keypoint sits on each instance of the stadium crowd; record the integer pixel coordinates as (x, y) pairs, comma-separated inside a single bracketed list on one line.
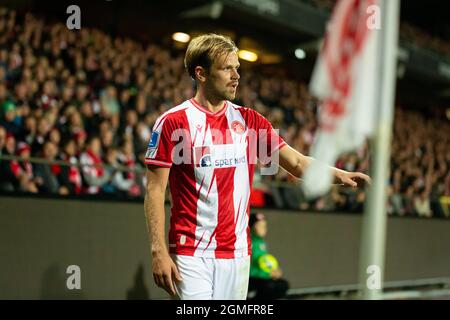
[(88, 98)]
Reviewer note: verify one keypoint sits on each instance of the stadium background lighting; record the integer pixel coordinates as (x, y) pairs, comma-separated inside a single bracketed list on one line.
[(247, 55), (181, 37), (300, 53)]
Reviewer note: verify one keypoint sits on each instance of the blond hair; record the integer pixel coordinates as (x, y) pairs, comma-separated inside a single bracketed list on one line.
[(204, 49)]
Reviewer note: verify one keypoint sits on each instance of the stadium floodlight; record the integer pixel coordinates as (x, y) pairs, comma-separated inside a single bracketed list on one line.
[(181, 37), (247, 55), (300, 53)]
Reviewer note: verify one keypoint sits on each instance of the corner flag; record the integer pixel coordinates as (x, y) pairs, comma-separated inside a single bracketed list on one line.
[(346, 80)]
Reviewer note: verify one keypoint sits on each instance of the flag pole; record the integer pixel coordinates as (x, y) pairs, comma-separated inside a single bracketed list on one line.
[(374, 222)]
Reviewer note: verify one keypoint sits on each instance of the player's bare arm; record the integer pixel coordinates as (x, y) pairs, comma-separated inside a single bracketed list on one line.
[(163, 267), (296, 163)]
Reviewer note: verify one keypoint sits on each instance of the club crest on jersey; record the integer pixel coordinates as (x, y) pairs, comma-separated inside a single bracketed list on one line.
[(202, 157), (237, 127)]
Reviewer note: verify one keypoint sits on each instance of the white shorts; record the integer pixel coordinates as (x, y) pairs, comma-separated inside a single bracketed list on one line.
[(212, 279)]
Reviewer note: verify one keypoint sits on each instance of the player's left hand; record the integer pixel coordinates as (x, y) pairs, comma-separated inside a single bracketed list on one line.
[(354, 179)]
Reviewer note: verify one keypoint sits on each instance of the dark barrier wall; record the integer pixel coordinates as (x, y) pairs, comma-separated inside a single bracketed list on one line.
[(40, 238)]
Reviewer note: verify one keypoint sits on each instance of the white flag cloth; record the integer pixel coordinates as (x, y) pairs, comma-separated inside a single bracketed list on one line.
[(345, 79)]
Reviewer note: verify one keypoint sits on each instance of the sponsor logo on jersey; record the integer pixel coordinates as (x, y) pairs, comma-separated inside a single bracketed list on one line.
[(154, 140), (205, 161), (229, 162), (218, 156), (152, 145), (202, 156)]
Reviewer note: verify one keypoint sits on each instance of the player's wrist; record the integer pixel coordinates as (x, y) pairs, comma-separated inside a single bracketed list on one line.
[(338, 174), (159, 251)]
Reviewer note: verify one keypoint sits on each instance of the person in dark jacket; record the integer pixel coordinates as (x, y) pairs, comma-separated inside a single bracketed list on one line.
[(46, 173)]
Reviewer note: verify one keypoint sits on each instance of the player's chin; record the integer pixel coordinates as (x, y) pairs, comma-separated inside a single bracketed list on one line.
[(230, 95)]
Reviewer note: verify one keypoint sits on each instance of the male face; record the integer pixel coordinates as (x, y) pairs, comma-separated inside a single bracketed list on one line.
[(43, 126), (50, 150), (70, 148), (260, 228), (25, 154), (10, 144), (223, 77), (95, 146)]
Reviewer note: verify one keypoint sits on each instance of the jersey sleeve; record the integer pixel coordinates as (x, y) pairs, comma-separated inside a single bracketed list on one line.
[(267, 135), (159, 150)]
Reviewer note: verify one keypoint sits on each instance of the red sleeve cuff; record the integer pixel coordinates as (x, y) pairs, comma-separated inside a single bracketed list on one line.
[(281, 145), (158, 163)]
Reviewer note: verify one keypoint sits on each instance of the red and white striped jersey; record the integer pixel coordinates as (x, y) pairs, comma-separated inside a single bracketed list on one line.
[(212, 158)]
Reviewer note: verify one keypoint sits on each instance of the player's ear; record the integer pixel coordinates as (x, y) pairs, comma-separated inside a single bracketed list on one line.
[(200, 74)]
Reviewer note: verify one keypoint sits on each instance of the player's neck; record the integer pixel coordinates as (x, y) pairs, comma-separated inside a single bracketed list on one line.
[(209, 103)]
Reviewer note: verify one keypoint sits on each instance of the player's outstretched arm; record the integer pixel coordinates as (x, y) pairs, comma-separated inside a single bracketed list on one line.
[(296, 163), (164, 269)]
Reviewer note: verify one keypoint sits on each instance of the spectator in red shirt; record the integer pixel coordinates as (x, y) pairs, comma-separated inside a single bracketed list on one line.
[(70, 176), (13, 175), (94, 175)]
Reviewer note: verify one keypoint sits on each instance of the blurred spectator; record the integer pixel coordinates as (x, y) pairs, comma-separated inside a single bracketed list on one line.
[(2, 139), (143, 133), (43, 129), (128, 178), (15, 176), (422, 203), (109, 102), (123, 182), (80, 139), (54, 136), (266, 280), (29, 131), (70, 176), (24, 166), (9, 118), (94, 175), (114, 185), (46, 173)]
